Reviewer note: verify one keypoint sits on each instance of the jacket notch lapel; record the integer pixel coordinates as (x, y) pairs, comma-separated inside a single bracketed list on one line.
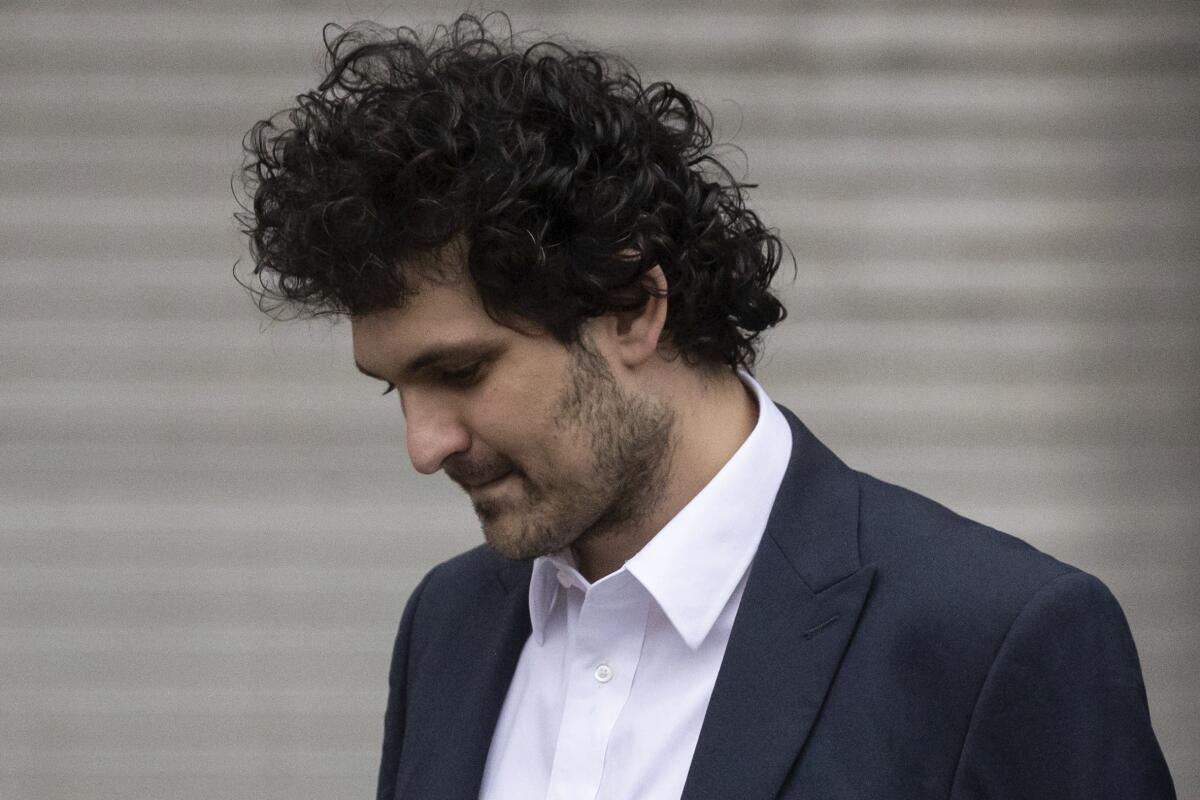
[(772, 684), (450, 764), (803, 598)]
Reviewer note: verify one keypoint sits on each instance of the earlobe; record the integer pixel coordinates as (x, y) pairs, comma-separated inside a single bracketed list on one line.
[(637, 333)]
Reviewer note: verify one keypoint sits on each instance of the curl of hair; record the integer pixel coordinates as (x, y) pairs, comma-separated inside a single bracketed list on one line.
[(565, 177)]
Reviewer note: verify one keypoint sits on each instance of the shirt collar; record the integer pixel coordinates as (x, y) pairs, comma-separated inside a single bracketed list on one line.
[(693, 565), (544, 585)]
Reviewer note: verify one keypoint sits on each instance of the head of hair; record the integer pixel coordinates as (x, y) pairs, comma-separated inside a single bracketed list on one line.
[(564, 177)]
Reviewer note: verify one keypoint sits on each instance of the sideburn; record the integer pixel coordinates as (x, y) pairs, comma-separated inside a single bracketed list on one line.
[(632, 444)]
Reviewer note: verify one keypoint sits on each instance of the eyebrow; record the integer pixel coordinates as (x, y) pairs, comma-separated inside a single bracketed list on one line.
[(459, 351)]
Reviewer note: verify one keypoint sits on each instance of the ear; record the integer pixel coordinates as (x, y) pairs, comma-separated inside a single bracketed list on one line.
[(632, 337)]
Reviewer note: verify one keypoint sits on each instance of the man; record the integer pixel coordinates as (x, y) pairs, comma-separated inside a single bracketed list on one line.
[(683, 593)]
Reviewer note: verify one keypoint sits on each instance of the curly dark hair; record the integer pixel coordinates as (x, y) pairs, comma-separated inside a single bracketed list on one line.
[(566, 178)]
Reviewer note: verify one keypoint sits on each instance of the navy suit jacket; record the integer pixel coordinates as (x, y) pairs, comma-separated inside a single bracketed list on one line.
[(885, 648)]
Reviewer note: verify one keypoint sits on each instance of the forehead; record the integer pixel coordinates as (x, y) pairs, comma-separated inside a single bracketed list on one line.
[(437, 312)]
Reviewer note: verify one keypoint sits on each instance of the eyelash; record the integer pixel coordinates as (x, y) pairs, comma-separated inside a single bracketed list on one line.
[(465, 376), (461, 377)]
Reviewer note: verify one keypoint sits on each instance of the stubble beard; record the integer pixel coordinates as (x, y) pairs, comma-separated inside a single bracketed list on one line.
[(631, 448)]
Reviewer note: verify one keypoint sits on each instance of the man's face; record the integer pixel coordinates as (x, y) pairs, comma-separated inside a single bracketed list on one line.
[(546, 443)]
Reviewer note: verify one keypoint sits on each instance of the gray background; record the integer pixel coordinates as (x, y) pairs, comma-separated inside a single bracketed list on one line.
[(208, 526)]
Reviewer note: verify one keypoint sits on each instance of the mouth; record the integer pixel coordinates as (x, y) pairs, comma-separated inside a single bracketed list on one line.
[(489, 483)]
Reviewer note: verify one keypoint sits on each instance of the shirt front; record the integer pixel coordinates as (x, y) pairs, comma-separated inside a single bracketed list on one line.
[(611, 688)]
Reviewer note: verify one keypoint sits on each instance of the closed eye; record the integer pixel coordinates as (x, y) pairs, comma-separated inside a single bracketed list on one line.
[(466, 376)]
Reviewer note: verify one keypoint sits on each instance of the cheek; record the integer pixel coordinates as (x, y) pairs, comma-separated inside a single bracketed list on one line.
[(517, 416), (516, 404), (544, 452), (568, 453), (511, 426)]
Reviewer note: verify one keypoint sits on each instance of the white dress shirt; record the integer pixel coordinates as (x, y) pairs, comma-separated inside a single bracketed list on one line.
[(611, 688)]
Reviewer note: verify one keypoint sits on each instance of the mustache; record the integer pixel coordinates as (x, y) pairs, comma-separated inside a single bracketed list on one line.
[(468, 474)]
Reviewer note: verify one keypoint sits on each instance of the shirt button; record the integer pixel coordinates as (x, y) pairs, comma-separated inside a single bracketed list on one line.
[(603, 673), (564, 578)]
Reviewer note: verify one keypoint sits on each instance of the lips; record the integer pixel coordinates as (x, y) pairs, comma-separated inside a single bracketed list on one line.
[(471, 477), (491, 482)]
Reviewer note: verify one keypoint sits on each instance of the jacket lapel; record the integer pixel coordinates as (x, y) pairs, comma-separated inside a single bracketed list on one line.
[(798, 613), (450, 762)]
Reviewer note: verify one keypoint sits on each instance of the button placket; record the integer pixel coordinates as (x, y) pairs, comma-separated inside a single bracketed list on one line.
[(606, 638)]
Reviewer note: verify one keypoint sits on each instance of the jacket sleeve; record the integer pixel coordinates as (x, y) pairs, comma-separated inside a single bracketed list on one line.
[(393, 720), (1062, 713)]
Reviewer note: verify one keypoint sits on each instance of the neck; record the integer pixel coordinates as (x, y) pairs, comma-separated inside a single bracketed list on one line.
[(713, 417)]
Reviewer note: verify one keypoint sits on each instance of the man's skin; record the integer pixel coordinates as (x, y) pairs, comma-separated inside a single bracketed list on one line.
[(554, 453)]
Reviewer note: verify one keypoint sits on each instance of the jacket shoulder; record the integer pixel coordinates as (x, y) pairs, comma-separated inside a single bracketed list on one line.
[(946, 584), (907, 534), (1001, 670)]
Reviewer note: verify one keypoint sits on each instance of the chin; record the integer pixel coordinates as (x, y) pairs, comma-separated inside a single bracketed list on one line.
[(509, 546), (509, 543), (518, 540)]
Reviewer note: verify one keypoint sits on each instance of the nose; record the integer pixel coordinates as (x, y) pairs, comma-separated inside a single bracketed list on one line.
[(434, 431)]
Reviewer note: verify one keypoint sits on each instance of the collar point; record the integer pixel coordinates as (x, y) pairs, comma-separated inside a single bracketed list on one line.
[(694, 638)]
